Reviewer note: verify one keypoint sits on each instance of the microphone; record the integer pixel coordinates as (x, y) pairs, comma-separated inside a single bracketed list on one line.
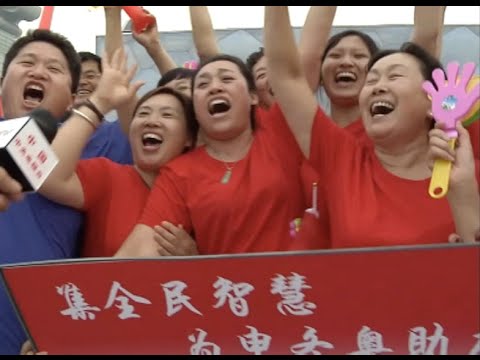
[(25, 151)]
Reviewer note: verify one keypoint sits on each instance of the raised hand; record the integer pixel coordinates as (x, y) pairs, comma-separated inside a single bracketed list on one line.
[(115, 87), (461, 157), (450, 99), (141, 18), (450, 102), (148, 38)]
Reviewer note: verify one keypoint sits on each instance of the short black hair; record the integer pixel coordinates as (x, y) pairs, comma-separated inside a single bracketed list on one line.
[(192, 123), (335, 39), (254, 58), (88, 56), (176, 74), (427, 62), (52, 38)]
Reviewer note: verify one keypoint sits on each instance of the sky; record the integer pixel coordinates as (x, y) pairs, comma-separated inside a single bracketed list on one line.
[(67, 20)]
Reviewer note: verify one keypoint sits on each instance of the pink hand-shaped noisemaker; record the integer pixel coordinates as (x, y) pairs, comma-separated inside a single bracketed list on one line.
[(449, 104), (141, 19)]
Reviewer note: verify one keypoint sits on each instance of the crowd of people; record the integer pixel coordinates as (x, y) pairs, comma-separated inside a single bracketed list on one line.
[(221, 159)]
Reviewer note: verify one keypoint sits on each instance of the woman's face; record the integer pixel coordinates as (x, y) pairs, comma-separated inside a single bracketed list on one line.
[(158, 132), (183, 86), (393, 104), (222, 100), (344, 70), (264, 90)]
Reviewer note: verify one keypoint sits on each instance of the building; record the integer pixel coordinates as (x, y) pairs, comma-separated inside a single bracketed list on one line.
[(460, 43), (10, 16)]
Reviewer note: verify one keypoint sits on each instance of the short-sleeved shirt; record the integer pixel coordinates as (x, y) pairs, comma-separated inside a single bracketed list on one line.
[(255, 206), (367, 205)]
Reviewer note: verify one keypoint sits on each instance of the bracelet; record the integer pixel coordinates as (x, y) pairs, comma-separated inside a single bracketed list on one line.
[(88, 103), (87, 118)]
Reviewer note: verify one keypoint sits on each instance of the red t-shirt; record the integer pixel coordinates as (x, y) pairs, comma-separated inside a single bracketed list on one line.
[(253, 212), (357, 129), (115, 196), (474, 131), (367, 205)]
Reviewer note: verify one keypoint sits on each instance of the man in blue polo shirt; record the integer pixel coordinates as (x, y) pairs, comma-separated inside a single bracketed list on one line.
[(40, 69)]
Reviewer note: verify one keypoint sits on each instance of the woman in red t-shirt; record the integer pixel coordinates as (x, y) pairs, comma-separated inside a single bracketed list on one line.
[(113, 195), (375, 195), (241, 191)]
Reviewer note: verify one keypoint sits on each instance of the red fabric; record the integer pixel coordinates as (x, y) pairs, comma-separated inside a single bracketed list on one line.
[(253, 212), (357, 129), (367, 205), (474, 131), (115, 196)]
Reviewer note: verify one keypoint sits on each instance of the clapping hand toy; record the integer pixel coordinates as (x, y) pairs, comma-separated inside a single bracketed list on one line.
[(141, 19), (450, 103)]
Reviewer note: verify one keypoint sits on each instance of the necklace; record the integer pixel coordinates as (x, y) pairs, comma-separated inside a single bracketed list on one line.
[(228, 173)]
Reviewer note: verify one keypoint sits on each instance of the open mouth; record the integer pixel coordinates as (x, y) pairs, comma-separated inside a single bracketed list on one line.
[(151, 140), (381, 108), (218, 106), (83, 92), (33, 94), (345, 76)]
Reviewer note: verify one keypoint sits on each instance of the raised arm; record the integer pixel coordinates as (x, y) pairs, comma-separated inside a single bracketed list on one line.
[(203, 33), (286, 76), (114, 41), (463, 193), (113, 29), (428, 28), (314, 37), (150, 40), (63, 185)]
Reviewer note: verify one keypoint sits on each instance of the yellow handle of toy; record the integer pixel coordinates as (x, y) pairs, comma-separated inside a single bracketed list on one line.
[(441, 175)]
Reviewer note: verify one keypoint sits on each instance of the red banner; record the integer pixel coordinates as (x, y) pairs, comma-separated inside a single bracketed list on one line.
[(406, 300)]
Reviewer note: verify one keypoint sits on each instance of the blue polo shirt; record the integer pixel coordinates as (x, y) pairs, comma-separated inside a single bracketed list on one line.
[(109, 141), (36, 229)]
